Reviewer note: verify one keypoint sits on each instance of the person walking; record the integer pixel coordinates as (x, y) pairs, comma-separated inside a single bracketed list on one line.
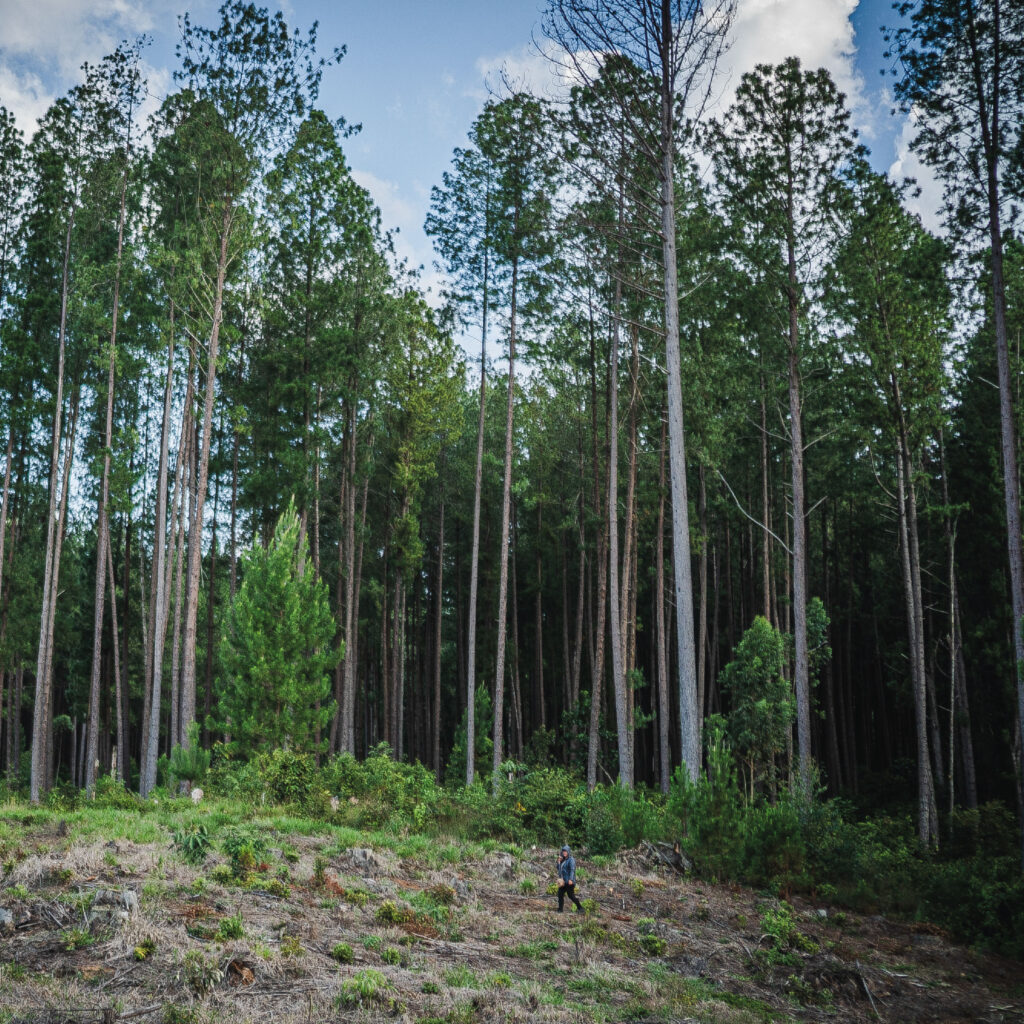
[(567, 879)]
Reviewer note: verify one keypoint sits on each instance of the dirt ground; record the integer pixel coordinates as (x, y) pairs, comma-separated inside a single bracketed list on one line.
[(109, 932)]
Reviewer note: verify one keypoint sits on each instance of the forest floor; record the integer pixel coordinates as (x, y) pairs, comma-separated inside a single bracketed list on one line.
[(325, 928)]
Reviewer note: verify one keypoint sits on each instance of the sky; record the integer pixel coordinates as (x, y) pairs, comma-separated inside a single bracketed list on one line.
[(416, 73)]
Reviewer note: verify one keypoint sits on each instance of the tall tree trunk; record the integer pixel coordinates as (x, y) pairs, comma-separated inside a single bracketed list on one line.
[(622, 725), (102, 521), (988, 111), (118, 769), (538, 683), (51, 570), (195, 548), (927, 825), (664, 747), (439, 598), (474, 561), (689, 712), (801, 681), (506, 508), (597, 643)]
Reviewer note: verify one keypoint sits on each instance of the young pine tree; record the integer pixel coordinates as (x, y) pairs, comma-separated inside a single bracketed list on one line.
[(277, 654)]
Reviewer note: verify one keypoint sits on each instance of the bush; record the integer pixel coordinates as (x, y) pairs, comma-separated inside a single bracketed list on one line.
[(287, 777), (110, 792)]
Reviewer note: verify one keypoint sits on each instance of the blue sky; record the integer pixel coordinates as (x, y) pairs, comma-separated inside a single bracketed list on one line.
[(416, 71)]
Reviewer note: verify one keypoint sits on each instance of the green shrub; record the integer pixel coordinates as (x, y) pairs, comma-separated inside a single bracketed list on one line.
[(365, 987), (189, 763), (110, 792), (193, 842), (230, 928), (246, 846), (652, 945), (342, 952), (287, 777)]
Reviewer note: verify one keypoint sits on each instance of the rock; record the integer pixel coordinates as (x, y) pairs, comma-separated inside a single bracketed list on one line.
[(366, 861), (6, 922), (196, 794), (460, 887), (127, 899), (822, 913), (503, 863)]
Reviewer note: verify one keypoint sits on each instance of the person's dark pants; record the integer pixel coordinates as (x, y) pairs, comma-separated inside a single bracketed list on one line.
[(567, 888)]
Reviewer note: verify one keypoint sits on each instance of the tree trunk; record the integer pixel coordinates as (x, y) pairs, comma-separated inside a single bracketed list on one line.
[(927, 829), (506, 508), (439, 598), (664, 747), (622, 728), (689, 711), (195, 548), (51, 571), (474, 561)]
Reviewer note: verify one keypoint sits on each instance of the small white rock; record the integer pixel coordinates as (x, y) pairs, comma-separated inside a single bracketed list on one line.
[(197, 795)]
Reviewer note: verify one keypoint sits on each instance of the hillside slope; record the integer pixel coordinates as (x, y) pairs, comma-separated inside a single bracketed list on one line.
[(298, 927)]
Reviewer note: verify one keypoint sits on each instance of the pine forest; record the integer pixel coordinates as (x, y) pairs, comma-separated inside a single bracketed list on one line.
[(695, 495)]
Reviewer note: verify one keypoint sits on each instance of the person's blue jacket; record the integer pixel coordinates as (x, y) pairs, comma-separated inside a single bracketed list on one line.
[(567, 870)]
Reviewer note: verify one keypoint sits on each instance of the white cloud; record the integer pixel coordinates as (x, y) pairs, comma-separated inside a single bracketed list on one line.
[(819, 32), (542, 68), (45, 42), (927, 204), (398, 210)]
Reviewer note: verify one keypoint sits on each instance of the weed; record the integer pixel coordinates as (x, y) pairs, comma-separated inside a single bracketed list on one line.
[(193, 842), (389, 912), (637, 885), (17, 892), (527, 886), (175, 1014), (391, 956), (442, 895), (342, 952), (230, 928), (652, 945), (145, 949), (222, 873), (290, 946), (532, 950), (319, 879), (76, 938), (200, 974), (500, 979), (461, 976), (372, 942), (367, 986)]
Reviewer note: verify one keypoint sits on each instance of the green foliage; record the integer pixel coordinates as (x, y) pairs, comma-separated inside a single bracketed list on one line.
[(189, 763), (483, 723), (246, 847), (653, 945), (363, 988), (193, 842), (278, 649), (200, 974), (287, 776), (231, 928), (342, 952), (707, 814), (761, 701), (110, 792)]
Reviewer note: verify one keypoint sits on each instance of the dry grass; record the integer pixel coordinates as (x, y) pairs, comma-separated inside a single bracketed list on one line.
[(491, 952)]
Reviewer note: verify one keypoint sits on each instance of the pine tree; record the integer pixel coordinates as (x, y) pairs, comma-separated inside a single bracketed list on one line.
[(277, 651)]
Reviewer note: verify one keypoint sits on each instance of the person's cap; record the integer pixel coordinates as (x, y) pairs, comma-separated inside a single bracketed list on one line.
[(565, 849)]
